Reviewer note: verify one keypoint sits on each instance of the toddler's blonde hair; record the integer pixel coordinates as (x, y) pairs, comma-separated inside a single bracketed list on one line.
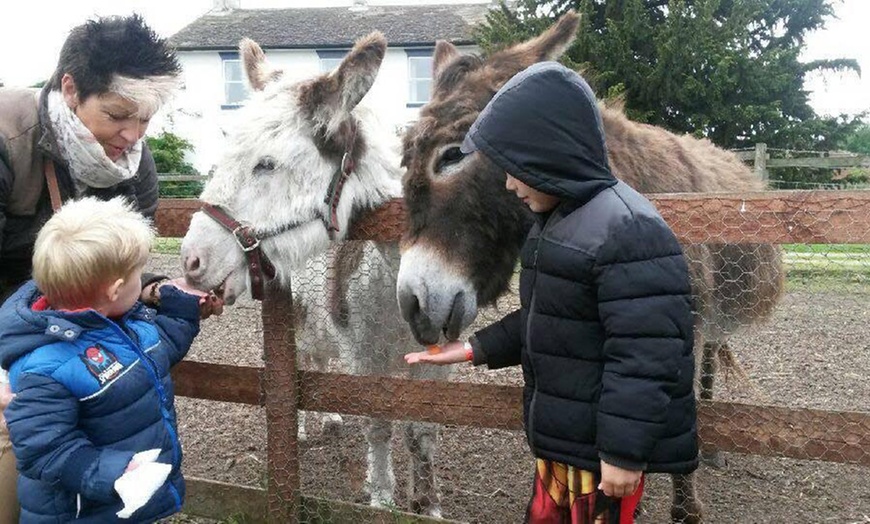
[(86, 246)]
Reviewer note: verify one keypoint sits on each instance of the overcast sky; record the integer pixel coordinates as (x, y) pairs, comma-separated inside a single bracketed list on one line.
[(32, 32)]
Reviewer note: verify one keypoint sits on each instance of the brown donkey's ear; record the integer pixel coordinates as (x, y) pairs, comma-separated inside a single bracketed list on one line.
[(357, 72), (550, 44), (257, 68), (445, 53)]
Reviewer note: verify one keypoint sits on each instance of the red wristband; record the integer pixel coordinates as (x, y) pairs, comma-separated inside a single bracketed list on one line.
[(469, 352)]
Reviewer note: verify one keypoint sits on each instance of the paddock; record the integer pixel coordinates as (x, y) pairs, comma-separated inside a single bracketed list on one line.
[(797, 438)]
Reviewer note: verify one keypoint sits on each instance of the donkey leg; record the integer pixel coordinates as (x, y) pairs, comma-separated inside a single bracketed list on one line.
[(421, 440), (301, 434), (380, 481), (686, 508), (713, 458), (708, 369)]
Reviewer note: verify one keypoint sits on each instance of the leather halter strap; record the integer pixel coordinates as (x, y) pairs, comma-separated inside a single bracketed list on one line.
[(260, 268), (333, 192)]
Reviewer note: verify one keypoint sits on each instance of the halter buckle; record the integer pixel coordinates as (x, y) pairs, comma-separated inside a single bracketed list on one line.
[(243, 236), (346, 163)]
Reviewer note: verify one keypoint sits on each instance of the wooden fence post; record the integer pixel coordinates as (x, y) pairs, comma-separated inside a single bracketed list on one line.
[(281, 389), (761, 161)]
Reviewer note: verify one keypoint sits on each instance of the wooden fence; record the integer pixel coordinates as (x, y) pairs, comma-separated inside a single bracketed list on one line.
[(771, 217), (179, 177), (762, 162)]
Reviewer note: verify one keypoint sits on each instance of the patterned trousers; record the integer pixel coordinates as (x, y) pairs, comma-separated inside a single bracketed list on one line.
[(563, 494)]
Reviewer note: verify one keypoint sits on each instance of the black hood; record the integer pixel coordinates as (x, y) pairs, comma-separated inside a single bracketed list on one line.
[(543, 127)]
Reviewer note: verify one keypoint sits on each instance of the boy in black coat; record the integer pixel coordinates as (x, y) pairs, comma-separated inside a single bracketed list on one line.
[(605, 329)]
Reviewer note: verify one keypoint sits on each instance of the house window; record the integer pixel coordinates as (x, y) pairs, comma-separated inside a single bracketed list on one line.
[(419, 76), (235, 90), (330, 58)]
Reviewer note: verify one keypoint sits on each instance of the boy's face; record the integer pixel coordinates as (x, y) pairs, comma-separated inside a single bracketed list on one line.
[(537, 201), (123, 294)]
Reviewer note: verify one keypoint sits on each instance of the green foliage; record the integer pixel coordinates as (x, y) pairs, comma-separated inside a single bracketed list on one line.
[(727, 70), (168, 150), (859, 141)]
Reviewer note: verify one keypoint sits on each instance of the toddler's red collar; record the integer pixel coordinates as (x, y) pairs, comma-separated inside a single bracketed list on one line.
[(42, 304)]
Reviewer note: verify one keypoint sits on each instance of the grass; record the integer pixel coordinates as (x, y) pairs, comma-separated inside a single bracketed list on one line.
[(166, 246), (849, 263), (827, 248)]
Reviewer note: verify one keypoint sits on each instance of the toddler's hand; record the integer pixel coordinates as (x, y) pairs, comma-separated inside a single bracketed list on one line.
[(131, 466), (209, 303), (450, 353), (617, 482)]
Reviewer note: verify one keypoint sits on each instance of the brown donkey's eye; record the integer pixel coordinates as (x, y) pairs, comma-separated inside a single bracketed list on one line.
[(450, 156)]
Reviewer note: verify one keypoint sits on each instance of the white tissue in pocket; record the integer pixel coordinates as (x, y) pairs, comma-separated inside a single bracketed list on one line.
[(138, 486)]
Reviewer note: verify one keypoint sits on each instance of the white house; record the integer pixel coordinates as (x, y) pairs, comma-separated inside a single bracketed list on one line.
[(304, 42)]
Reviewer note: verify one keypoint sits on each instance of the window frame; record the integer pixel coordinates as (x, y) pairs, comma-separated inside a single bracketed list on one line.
[(417, 54), (226, 58), (330, 54)]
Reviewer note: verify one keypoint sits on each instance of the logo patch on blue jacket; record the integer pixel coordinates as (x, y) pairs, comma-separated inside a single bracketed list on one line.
[(102, 364)]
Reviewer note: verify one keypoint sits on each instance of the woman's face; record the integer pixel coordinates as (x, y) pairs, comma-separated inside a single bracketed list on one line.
[(114, 121)]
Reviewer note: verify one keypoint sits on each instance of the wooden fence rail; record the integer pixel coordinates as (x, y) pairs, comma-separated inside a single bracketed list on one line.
[(760, 430), (770, 217), (762, 162), (178, 177), (776, 217)]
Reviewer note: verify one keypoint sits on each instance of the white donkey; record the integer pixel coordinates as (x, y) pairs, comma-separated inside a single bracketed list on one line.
[(301, 164)]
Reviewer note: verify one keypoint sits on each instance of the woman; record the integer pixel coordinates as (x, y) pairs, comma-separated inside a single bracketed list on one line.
[(80, 136)]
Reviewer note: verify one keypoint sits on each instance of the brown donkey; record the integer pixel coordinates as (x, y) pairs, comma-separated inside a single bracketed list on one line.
[(465, 230)]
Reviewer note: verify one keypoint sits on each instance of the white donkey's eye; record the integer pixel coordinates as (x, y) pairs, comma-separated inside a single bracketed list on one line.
[(265, 166)]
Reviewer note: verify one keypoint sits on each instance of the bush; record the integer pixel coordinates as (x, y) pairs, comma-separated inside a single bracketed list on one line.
[(169, 150)]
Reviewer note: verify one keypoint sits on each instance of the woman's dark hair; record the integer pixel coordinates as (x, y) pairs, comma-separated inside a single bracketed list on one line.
[(99, 49)]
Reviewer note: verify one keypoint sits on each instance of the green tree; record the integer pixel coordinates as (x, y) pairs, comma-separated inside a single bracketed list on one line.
[(169, 150), (859, 141), (727, 70)]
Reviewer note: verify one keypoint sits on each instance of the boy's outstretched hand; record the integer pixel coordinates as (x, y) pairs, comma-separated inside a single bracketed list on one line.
[(450, 353)]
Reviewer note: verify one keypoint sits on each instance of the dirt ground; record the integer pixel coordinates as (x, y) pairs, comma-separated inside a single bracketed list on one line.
[(814, 353)]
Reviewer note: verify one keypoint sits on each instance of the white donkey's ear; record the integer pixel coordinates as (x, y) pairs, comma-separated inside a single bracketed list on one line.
[(257, 68), (357, 72)]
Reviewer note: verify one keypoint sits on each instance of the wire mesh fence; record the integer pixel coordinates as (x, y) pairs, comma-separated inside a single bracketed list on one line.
[(782, 283)]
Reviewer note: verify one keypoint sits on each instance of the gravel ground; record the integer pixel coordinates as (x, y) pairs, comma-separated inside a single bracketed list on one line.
[(814, 353)]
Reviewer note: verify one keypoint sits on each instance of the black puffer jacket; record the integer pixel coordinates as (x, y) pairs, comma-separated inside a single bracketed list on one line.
[(605, 331), (26, 139)]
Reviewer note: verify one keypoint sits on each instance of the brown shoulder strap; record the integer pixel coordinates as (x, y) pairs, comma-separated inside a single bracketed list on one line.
[(51, 181)]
